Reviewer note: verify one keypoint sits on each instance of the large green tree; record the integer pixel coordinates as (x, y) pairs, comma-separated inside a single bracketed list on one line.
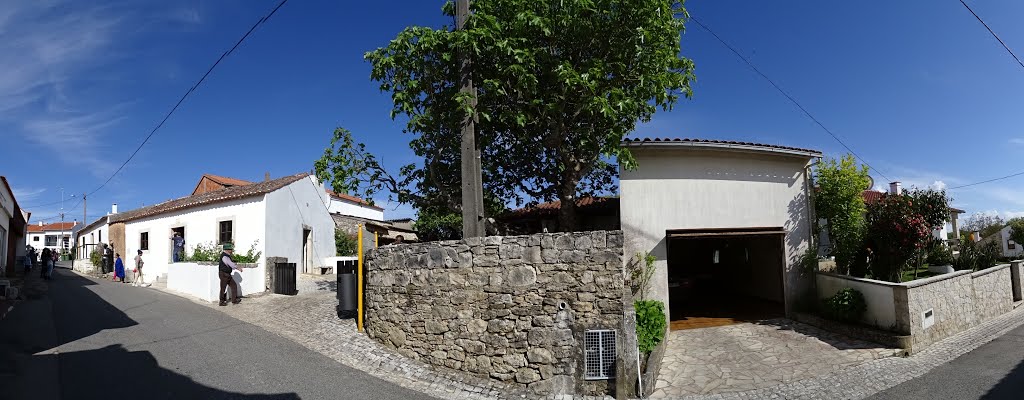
[(839, 200), (559, 84)]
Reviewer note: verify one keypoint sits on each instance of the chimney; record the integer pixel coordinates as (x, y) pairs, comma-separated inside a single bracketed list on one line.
[(894, 188), (266, 176), (113, 208), (40, 223)]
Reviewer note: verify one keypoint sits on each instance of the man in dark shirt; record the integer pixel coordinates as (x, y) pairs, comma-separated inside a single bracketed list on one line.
[(179, 247), (224, 272)]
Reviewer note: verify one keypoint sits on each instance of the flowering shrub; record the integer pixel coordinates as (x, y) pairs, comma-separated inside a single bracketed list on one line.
[(899, 227)]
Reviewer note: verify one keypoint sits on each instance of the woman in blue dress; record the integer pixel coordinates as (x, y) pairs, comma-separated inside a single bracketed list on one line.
[(118, 268)]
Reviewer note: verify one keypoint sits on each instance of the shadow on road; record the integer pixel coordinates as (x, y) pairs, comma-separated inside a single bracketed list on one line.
[(123, 374), (101, 314), (1010, 387)]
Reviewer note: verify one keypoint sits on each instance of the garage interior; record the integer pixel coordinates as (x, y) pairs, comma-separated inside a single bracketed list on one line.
[(722, 277)]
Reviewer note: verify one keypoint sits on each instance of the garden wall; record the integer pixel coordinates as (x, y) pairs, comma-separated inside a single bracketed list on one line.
[(513, 308), (200, 279), (930, 309)]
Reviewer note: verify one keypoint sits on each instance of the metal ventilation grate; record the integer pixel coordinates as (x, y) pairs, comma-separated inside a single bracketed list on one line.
[(599, 346)]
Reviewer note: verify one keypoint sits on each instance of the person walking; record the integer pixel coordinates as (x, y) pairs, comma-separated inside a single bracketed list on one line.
[(227, 265), (118, 268), (137, 279), (29, 255), (46, 261)]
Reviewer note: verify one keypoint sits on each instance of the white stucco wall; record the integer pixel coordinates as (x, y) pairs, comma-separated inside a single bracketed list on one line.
[(6, 215), (879, 296), (290, 210), (203, 281), (41, 243), (706, 189), (92, 237), (345, 207), (1004, 243), (201, 226)]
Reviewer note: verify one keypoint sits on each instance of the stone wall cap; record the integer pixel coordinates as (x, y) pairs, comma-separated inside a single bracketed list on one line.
[(856, 279), (987, 271), (926, 281)]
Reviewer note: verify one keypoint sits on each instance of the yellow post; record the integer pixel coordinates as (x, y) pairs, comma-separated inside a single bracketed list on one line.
[(375, 240), (359, 282)]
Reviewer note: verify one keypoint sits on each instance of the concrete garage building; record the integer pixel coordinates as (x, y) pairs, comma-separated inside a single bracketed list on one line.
[(727, 222)]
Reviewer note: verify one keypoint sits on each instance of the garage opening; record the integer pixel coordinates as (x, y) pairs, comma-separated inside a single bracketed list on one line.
[(725, 276)]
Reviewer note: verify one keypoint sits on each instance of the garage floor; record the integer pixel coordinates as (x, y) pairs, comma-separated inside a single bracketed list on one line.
[(749, 356)]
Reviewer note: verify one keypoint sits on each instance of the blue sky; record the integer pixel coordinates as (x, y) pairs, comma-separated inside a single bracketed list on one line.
[(917, 88)]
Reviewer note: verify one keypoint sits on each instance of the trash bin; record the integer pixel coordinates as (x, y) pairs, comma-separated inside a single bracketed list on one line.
[(348, 296), (284, 278)]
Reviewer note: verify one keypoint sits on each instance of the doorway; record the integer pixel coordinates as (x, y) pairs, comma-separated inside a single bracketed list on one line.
[(177, 245), (307, 251), (724, 277)]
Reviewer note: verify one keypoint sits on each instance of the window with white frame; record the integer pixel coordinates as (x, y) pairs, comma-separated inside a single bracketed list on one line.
[(225, 230), (144, 241), (51, 240)]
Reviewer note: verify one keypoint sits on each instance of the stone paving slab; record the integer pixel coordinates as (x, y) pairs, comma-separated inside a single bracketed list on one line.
[(751, 356)]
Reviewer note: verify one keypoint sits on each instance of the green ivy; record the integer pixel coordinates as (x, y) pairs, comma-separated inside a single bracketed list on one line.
[(846, 305), (204, 252), (344, 244), (650, 324)]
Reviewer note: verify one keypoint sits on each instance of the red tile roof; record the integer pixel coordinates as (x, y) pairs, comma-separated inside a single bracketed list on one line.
[(353, 199), (640, 141), (56, 226), (583, 204), (223, 180), (871, 196), (214, 196)]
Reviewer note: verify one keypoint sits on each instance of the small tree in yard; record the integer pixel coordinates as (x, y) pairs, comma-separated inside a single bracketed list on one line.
[(899, 228), (840, 202), (650, 314)]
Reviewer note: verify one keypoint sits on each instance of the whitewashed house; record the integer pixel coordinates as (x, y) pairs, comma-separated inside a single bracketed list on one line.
[(13, 229), (1007, 246), (53, 236), (285, 217), (344, 204)]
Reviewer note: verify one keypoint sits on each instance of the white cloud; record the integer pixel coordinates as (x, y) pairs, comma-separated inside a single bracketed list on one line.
[(24, 195), (1016, 140), (938, 185)]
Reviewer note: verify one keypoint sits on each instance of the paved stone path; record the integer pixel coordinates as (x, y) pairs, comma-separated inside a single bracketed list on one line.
[(311, 321), (751, 356)]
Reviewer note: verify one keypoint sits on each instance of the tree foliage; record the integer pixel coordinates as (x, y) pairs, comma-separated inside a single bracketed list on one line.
[(986, 223), (345, 244), (899, 228), (559, 84), (839, 200)]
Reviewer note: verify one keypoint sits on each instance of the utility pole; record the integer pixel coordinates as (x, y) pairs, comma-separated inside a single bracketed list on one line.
[(85, 220), (472, 182)]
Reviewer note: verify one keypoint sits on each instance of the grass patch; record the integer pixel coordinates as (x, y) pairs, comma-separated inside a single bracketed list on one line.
[(922, 273)]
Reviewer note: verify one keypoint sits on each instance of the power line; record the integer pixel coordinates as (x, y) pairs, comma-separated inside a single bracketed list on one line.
[(791, 99), (993, 33), (989, 180), (189, 92)]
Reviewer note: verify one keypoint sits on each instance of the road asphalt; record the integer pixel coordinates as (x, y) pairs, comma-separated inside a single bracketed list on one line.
[(91, 339), (994, 371)]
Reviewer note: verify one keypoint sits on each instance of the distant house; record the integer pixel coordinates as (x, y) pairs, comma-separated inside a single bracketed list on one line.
[(284, 217), (13, 229), (1008, 247), (53, 236), (592, 214), (344, 204)]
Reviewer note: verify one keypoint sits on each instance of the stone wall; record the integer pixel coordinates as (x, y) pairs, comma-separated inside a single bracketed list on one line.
[(992, 295), (510, 308)]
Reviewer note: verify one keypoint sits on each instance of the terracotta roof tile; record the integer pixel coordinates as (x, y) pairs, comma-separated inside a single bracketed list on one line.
[(56, 226), (223, 180), (871, 196), (215, 196), (639, 141), (353, 199)]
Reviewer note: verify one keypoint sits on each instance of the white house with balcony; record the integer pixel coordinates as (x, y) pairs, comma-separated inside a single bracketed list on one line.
[(284, 217), (53, 236)]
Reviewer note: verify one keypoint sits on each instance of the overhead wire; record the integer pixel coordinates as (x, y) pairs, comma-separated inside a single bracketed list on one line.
[(787, 95)]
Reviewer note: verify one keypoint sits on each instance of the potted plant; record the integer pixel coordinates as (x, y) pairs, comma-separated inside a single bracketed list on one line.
[(940, 259)]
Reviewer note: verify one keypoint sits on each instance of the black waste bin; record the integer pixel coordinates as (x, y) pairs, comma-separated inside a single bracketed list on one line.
[(348, 296), (284, 278)]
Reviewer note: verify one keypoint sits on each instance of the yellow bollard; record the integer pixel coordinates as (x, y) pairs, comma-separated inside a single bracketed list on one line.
[(375, 240), (359, 282)]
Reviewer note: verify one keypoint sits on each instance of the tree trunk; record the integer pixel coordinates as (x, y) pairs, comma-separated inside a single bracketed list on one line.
[(567, 210)]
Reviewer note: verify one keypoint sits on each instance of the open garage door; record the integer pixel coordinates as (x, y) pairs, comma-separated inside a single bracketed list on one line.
[(724, 276)]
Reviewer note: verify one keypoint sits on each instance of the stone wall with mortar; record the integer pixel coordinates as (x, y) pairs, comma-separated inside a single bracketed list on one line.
[(513, 308)]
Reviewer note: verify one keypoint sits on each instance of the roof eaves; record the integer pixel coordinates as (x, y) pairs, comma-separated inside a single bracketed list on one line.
[(721, 144)]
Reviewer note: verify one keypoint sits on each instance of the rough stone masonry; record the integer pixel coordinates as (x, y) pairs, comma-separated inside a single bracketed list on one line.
[(513, 308)]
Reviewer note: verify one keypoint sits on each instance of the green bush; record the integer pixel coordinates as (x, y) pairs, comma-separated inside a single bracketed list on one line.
[(251, 256), (940, 254), (846, 305), (650, 324), (975, 256), (95, 257), (204, 252), (345, 245)]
